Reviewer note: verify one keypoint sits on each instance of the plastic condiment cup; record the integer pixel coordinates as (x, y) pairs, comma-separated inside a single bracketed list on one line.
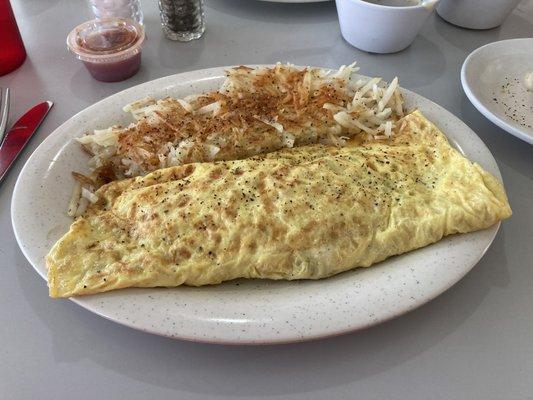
[(110, 48), (379, 28)]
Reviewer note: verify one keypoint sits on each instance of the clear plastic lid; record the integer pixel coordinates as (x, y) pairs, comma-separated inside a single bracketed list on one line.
[(106, 40)]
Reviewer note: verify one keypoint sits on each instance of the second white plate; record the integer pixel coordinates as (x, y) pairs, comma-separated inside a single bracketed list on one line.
[(493, 79), (245, 311)]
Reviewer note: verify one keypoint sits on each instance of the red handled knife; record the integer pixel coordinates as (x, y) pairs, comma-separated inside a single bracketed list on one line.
[(17, 137)]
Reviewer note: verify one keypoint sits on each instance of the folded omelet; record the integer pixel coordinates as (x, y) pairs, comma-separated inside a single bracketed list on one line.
[(301, 213)]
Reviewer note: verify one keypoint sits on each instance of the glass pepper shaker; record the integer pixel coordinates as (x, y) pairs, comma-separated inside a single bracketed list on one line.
[(182, 20)]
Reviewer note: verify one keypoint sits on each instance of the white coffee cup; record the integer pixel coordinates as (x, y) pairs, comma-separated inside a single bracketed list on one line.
[(379, 28), (476, 14)]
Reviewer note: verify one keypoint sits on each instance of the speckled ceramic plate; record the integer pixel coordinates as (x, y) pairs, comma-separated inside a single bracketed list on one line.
[(493, 78), (242, 311)]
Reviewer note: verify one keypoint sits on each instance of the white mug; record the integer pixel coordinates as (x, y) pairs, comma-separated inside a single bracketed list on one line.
[(476, 14), (381, 29)]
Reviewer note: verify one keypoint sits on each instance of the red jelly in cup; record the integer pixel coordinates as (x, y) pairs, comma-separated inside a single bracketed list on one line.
[(110, 48)]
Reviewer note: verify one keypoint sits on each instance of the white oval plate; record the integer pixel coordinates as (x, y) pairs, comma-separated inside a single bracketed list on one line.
[(242, 312), (493, 79)]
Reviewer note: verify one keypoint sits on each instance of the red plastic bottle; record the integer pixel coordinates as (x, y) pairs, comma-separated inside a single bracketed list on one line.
[(12, 53)]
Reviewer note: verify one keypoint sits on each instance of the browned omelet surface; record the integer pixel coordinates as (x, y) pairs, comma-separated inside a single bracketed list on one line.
[(302, 213)]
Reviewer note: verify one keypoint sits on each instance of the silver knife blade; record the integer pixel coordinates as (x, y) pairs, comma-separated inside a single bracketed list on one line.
[(19, 134)]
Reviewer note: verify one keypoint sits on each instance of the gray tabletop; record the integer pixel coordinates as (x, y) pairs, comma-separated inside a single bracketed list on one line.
[(474, 341)]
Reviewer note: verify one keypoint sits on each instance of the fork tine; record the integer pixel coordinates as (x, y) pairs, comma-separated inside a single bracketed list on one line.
[(4, 113)]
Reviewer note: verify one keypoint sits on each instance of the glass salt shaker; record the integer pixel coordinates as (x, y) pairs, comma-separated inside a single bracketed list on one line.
[(117, 8), (182, 20)]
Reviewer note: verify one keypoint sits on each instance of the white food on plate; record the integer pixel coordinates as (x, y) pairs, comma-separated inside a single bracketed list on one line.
[(255, 111), (528, 81)]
